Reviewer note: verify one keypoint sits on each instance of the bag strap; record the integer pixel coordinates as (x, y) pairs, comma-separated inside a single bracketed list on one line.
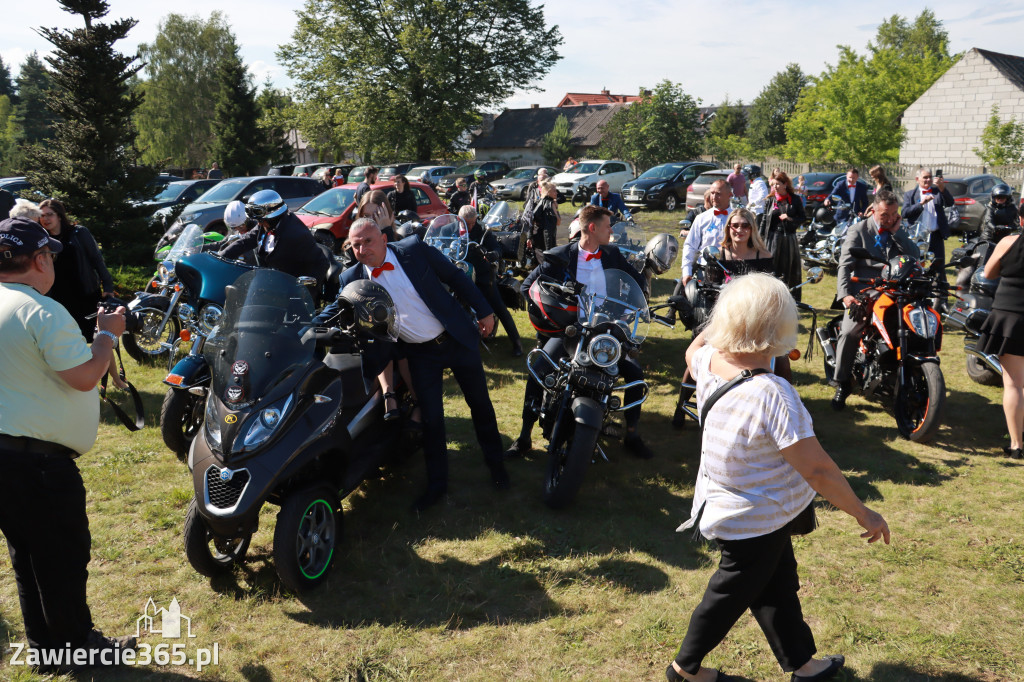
[(728, 386), (140, 415)]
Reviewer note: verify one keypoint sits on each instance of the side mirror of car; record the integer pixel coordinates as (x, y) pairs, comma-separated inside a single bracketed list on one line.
[(603, 171)]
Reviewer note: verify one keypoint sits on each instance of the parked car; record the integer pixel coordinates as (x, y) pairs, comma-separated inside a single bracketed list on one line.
[(392, 169), (281, 169), (344, 169), (695, 192), (515, 182), (664, 186), (971, 194), (15, 185), (356, 175), (208, 210), (587, 173), (820, 185), (307, 169), (492, 169), (168, 203), (329, 215), (436, 172)]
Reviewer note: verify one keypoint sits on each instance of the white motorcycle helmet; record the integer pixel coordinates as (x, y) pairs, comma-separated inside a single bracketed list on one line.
[(234, 215)]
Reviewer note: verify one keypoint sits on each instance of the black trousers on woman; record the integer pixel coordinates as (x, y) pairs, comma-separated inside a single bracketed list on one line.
[(757, 574)]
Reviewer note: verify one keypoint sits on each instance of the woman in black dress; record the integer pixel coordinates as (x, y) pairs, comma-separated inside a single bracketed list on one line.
[(80, 272), (783, 215), (1002, 334), (546, 219)]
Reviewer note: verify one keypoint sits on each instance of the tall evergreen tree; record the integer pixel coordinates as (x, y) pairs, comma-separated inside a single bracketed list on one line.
[(238, 143), (91, 162), (274, 123), (7, 83), (32, 114)]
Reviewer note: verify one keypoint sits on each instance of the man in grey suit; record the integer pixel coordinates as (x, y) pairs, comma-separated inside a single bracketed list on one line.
[(881, 235)]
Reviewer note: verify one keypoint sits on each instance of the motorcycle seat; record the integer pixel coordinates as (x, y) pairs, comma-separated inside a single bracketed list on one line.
[(350, 368)]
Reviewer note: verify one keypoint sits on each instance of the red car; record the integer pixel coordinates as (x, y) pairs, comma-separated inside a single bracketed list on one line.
[(329, 214)]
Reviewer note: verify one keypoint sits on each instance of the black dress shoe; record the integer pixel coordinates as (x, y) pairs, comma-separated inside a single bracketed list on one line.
[(519, 448), (499, 476), (1013, 453), (635, 446), (836, 662), (517, 349), (429, 498), (839, 399)]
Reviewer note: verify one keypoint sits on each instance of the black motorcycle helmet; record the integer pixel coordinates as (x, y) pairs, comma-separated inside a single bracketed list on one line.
[(268, 206), (824, 216), (752, 171), (550, 310), (372, 308), (902, 267), (1001, 191), (406, 216)]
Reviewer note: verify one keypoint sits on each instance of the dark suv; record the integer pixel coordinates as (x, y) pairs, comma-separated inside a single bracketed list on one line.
[(664, 186), (492, 169), (972, 194)]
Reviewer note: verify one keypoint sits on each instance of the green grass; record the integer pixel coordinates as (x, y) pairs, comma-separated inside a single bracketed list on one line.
[(496, 586)]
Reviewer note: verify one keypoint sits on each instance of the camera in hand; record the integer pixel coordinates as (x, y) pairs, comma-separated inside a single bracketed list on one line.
[(132, 319)]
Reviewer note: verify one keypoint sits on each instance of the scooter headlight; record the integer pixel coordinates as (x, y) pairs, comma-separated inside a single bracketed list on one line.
[(266, 421), (212, 423), (604, 350), (923, 322)]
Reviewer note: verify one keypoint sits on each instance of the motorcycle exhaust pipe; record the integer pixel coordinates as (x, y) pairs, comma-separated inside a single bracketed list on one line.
[(826, 343), (991, 361)]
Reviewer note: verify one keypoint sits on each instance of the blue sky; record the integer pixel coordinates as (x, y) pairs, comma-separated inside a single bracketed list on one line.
[(609, 44)]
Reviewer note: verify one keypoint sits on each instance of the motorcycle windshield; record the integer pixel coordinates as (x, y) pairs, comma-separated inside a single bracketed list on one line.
[(258, 342), (499, 216), (448, 234), (621, 301), (188, 242)]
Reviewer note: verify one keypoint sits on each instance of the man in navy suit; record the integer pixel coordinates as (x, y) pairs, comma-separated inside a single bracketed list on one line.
[(928, 204), (582, 262), (853, 192), (436, 333)]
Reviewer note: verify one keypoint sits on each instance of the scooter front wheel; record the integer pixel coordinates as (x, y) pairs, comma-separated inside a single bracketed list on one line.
[(181, 418), (307, 534), (210, 555)]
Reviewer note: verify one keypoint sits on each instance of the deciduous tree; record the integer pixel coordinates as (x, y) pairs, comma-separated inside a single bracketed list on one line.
[(274, 122), (660, 127), (409, 77), (238, 143), (1001, 143), (766, 124)]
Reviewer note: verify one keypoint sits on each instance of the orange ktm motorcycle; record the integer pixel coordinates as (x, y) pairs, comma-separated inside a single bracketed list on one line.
[(898, 354)]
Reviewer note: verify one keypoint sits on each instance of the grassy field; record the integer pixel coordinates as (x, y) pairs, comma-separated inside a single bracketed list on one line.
[(496, 586)]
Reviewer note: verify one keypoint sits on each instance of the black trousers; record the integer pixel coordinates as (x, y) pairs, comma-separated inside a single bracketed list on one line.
[(629, 370), (757, 574), (427, 362), (42, 515), (490, 292)]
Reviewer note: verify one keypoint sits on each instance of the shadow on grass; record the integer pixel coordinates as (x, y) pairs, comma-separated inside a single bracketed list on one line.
[(899, 672), (152, 400)]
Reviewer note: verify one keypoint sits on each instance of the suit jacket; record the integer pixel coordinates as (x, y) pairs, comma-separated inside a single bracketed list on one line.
[(863, 234), (295, 251), (861, 199), (560, 265), (429, 271), (912, 208)]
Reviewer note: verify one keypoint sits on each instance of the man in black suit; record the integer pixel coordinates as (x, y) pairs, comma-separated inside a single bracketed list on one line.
[(281, 241), (928, 204), (576, 262), (851, 191), (436, 333)]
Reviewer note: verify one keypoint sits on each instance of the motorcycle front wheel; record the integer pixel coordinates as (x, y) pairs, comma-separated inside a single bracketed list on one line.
[(919, 402), (144, 346), (181, 417), (308, 531), (209, 555), (567, 464)]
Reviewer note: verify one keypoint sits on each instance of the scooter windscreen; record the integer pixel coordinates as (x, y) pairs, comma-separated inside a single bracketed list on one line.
[(259, 339), (618, 300), (498, 217)]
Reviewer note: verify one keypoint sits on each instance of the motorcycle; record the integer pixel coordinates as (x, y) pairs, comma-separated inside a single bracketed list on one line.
[(285, 428), (166, 241), (597, 327), (203, 279), (503, 222), (655, 257), (972, 308), (822, 243), (581, 197), (898, 354)]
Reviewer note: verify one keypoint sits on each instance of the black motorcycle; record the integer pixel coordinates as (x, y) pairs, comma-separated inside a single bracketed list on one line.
[(285, 428), (972, 308), (597, 327)]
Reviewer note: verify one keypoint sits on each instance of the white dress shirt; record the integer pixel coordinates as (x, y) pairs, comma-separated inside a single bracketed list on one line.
[(707, 230), (928, 218), (416, 323), (590, 273), (757, 193)]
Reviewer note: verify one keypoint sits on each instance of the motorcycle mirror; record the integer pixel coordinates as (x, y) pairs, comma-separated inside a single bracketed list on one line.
[(836, 199), (930, 256), (309, 282), (861, 252), (711, 253), (814, 275)]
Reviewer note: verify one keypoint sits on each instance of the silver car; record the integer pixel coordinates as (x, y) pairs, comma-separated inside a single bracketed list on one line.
[(208, 210), (514, 184)]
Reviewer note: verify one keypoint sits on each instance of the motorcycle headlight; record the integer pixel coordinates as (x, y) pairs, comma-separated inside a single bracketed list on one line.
[(186, 312), (209, 317), (266, 421), (212, 423), (164, 271), (604, 350), (922, 322)]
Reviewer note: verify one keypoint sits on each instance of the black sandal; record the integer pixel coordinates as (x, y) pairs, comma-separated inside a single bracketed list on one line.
[(391, 415), (412, 426)]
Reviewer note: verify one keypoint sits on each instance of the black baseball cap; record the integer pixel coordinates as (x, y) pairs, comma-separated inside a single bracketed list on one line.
[(20, 236)]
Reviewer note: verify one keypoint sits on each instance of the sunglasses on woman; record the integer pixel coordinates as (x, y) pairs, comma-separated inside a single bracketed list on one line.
[(740, 225)]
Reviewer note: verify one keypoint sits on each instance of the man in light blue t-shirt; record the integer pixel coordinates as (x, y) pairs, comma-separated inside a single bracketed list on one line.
[(49, 413)]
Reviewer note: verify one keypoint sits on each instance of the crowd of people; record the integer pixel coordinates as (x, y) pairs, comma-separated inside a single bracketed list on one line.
[(755, 486)]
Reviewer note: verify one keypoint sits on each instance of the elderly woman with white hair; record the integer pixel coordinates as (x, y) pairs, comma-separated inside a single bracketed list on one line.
[(759, 470), (23, 208)]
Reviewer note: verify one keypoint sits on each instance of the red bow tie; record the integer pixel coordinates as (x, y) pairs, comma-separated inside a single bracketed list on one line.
[(387, 266), (592, 256), (717, 212), (852, 186), (933, 190)]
